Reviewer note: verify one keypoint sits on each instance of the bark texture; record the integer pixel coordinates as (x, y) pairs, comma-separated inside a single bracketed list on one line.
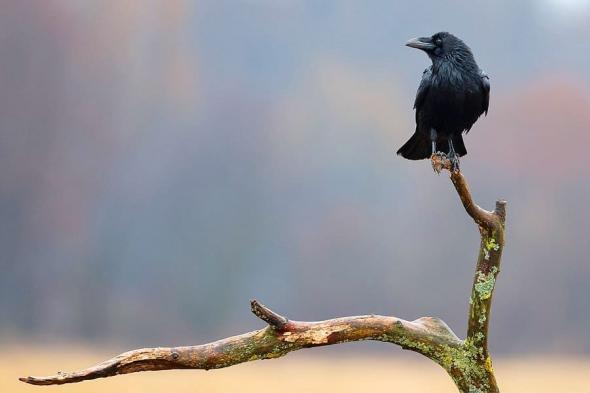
[(468, 361)]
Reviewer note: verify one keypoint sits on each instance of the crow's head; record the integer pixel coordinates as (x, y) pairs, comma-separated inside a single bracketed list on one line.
[(442, 45)]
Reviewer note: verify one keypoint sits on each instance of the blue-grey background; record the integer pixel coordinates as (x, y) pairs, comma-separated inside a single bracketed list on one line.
[(164, 161)]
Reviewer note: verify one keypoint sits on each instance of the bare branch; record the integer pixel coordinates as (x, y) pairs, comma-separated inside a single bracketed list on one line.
[(428, 336), (482, 217)]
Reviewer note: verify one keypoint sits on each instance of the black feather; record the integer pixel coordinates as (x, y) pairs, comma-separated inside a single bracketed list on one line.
[(453, 93)]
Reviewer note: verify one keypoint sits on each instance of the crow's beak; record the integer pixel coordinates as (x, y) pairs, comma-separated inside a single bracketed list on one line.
[(424, 43)]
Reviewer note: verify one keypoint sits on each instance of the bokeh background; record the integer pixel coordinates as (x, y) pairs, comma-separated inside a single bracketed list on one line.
[(164, 161)]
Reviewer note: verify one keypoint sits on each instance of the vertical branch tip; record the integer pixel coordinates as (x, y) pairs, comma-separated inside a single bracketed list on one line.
[(500, 210)]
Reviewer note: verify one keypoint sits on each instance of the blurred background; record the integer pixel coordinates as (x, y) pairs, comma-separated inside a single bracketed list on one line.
[(164, 161)]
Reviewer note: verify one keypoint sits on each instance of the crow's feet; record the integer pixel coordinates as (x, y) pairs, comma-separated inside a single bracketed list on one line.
[(454, 163), (439, 161), (442, 161)]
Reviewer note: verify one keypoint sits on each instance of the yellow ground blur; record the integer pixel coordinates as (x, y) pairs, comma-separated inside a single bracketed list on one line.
[(299, 372)]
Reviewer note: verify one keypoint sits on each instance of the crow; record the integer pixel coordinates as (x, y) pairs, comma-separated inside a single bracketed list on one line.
[(452, 95)]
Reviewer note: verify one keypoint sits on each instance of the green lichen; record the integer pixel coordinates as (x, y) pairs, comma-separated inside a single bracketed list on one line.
[(488, 365), (409, 343), (491, 244), (464, 361), (484, 285), (466, 366), (482, 318), (479, 337)]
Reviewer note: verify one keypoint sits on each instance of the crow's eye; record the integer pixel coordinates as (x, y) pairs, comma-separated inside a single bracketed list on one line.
[(438, 42)]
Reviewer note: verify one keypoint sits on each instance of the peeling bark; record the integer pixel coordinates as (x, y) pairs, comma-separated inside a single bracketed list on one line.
[(467, 361)]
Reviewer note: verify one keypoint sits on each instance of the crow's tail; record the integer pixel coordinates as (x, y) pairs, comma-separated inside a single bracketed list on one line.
[(418, 147), (459, 145)]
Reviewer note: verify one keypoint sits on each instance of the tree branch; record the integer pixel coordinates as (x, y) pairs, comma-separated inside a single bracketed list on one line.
[(467, 361), (428, 336), (491, 227)]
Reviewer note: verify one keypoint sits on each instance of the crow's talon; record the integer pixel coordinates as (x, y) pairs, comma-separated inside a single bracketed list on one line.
[(438, 159), (454, 163)]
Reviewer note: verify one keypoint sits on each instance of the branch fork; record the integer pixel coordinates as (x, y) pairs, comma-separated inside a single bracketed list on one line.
[(467, 361)]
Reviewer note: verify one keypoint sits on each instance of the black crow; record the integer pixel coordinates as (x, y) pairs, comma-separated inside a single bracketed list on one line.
[(452, 95)]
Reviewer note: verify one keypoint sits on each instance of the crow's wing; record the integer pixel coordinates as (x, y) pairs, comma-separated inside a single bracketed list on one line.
[(423, 89), (485, 85)]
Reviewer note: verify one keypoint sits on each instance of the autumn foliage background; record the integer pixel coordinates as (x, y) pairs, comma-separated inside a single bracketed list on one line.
[(162, 162)]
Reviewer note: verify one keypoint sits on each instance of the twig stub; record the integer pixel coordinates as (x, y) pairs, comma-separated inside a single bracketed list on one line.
[(276, 321)]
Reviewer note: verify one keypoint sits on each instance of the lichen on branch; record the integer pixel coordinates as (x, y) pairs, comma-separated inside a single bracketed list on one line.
[(428, 336)]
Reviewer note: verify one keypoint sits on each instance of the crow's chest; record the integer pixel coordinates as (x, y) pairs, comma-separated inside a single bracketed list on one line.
[(452, 103)]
